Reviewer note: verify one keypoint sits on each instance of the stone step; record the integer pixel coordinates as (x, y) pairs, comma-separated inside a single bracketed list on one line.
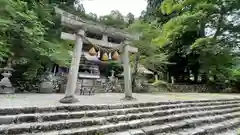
[(42, 117), (70, 108), (71, 127), (229, 131), (191, 124), (213, 128)]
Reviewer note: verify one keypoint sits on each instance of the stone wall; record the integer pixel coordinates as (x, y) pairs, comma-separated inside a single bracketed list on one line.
[(199, 88), (189, 88)]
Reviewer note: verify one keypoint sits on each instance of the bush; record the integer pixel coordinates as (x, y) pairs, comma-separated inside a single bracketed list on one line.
[(235, 78), (161, 85)]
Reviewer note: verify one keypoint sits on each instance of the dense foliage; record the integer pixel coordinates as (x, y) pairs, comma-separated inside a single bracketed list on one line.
[(154, 14), (202, 39), (30, 35), (150, 55), (192, 41), (199, 40), (30, 38)]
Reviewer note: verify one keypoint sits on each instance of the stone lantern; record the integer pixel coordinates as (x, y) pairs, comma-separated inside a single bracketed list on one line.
[(5, 84), (46, 86)]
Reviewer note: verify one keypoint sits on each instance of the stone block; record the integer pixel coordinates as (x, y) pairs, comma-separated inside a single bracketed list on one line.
[(153, 108), (102, 107), (112, 112), (128, 105), (151, 129), (26, 118), (137, 132), (136, 105), (177, 125), (121, 112), (150, 104), (214, 128), (80, 131), (94, 130), (135, 123), (91, 113), (120, 133), (121, 126), (135, 116), (101, 113), (198, 131), (156, 129), (115, 106), (145, 109), (7, 119), (142, 104), (159, 113)]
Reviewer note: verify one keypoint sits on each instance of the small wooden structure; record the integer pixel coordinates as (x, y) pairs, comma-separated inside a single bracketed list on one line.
[(88, 80)]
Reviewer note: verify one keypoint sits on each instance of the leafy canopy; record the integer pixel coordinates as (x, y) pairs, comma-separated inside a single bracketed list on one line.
[(29, 34), (203, 31)]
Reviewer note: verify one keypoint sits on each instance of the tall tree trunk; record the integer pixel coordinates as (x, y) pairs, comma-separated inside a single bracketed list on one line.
[(219, 23), (195, 77), (188, 75), (204, 78)]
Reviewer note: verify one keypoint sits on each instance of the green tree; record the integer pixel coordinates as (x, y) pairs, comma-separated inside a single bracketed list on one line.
[(130, 18), (29, 32), (201, 38), (93, 16), (154, 14), (114, 19), (115, 14), (150, 55)]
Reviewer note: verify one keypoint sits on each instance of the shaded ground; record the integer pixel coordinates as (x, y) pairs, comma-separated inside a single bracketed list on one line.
[(27, 99)]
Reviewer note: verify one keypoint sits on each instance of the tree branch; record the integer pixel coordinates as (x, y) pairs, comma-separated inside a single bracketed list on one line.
[(219, 23)]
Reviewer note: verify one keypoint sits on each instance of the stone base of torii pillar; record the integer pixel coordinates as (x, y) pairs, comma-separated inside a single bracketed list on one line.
[(128, 98), (69, 99)]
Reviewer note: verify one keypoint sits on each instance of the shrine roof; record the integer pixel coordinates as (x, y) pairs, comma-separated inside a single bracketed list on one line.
[(142, 70)]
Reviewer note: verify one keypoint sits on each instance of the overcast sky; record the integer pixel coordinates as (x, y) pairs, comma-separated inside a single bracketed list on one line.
[(103, 7)]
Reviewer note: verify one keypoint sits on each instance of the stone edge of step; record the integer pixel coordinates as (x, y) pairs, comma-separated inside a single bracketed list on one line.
[(234, 130), (25, 118), (173, 126), (215, 127), (19, 110), (130, 124), (109, 129)]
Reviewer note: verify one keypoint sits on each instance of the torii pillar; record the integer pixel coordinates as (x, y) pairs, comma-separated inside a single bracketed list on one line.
[(127, 71), (73, 71)]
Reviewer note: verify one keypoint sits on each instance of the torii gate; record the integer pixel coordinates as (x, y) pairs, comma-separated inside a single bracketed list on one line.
[(77, 53)]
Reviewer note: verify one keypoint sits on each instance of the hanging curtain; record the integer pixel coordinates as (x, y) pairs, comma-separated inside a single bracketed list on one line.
[(98, 54), (110, 56)]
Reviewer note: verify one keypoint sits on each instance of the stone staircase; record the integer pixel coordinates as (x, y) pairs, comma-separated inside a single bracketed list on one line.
[(213, 117)]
